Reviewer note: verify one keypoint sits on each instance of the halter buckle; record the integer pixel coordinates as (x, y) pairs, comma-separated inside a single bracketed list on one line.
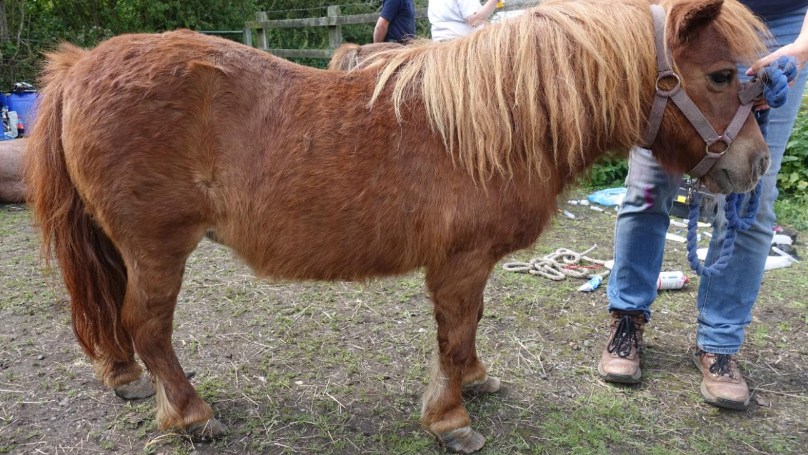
[(724, 140), (672, 91)]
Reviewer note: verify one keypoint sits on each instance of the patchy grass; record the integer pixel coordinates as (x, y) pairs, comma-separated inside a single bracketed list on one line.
[(339, 367)]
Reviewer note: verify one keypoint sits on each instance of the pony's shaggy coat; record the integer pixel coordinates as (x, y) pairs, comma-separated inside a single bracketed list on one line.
[(445, 156)]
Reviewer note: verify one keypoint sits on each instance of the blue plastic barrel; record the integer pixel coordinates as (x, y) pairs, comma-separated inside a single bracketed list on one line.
[(25, 106)]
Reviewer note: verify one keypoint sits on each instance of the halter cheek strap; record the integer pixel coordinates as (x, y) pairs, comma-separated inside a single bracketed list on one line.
[(686, 105)]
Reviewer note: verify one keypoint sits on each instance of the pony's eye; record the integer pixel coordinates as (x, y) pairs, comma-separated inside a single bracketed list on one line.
[(721, 77)]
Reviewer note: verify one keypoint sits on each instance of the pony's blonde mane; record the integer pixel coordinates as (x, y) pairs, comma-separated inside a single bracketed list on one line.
[(547, 85)]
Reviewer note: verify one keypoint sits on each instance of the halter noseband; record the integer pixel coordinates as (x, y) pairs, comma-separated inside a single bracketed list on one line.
[(686, 105)]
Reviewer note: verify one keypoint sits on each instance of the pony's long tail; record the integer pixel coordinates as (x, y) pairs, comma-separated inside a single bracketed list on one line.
[(91, 266), (345, 58)]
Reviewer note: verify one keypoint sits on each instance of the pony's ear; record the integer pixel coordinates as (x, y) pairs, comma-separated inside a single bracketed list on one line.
[(689, 17)]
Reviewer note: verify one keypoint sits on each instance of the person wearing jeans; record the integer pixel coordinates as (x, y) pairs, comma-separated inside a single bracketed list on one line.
[(725, 300)]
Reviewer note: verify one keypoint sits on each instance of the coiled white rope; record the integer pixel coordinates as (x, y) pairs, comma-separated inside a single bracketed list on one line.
[(556, 266)]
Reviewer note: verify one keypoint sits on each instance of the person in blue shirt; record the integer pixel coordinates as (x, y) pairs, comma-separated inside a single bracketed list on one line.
[(397, 22), (725, 300)]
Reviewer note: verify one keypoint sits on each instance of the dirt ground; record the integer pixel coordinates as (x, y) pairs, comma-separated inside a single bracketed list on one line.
[(339, 367)]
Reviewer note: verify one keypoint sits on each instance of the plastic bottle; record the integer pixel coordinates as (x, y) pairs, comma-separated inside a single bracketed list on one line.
[(592, 284), (12, 124), (671, 280), (4, 117)]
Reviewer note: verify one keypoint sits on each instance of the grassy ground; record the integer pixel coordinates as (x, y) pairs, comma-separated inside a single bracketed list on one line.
[(339, 367)]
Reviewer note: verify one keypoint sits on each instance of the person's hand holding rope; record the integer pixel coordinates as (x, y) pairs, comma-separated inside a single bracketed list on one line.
[(798, 49)]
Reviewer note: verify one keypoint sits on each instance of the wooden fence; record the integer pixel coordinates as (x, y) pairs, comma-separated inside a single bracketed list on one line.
[(334, 21)]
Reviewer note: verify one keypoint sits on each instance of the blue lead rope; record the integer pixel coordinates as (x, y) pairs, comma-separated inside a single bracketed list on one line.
[(775, 80)]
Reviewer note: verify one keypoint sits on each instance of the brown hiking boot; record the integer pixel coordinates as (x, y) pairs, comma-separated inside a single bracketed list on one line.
[(620, 361), (722, 384)]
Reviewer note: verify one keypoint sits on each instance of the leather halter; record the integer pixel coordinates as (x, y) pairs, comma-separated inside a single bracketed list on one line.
[(686, 105)]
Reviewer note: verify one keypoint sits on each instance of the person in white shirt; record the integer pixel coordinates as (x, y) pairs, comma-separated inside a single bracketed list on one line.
[(452, 19)]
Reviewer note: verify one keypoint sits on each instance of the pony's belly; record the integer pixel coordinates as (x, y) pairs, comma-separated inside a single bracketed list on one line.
[(333, 264), (340, 250)]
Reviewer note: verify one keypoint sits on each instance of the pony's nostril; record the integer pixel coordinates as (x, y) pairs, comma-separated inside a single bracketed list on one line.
[(759, 163)]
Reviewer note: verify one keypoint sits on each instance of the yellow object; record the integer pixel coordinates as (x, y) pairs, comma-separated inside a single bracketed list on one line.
[(681, 199), (500, 4)]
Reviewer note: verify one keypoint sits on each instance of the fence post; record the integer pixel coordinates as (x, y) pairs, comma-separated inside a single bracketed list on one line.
[(263, 38), (248, 37), (334, 29)]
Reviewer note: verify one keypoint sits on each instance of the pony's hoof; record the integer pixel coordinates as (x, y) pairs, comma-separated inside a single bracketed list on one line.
[(207, 430), (135, 390), (462, 440), (488, 385)]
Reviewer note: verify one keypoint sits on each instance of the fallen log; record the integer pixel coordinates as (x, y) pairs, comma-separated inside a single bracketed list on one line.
[(12, 156)]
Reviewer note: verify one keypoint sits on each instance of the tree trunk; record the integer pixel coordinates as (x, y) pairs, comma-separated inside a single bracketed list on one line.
[(3, 22)]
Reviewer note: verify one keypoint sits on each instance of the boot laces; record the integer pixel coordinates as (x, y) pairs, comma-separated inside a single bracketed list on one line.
[(722, 365), (623, 336)]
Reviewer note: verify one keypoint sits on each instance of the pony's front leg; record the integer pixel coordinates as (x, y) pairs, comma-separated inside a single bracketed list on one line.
[(457, 287), (475, 377)]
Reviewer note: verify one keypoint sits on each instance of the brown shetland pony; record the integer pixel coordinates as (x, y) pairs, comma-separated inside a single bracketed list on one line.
[(446, 156)]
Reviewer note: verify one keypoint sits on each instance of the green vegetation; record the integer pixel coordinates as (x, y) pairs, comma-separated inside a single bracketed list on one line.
[(27, 28), (609, 171), (792, 181)]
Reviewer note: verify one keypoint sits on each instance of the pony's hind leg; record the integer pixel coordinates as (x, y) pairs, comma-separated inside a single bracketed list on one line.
[(124, 376), (154, 280), (457, 288), (121, 372)]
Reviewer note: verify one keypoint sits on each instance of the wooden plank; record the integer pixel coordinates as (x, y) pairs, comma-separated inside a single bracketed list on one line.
[(334, 31), (221, 32), (371, 18), (248, 36), (263, 36), (302, 53), (290, 23)]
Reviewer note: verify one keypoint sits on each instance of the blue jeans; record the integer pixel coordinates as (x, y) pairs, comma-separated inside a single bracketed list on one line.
[(725, 301)]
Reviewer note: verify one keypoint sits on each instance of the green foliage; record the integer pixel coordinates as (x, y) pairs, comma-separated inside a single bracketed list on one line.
[(792, 181), (608, 171), (793, 177), (792, 211), (34, 27)]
